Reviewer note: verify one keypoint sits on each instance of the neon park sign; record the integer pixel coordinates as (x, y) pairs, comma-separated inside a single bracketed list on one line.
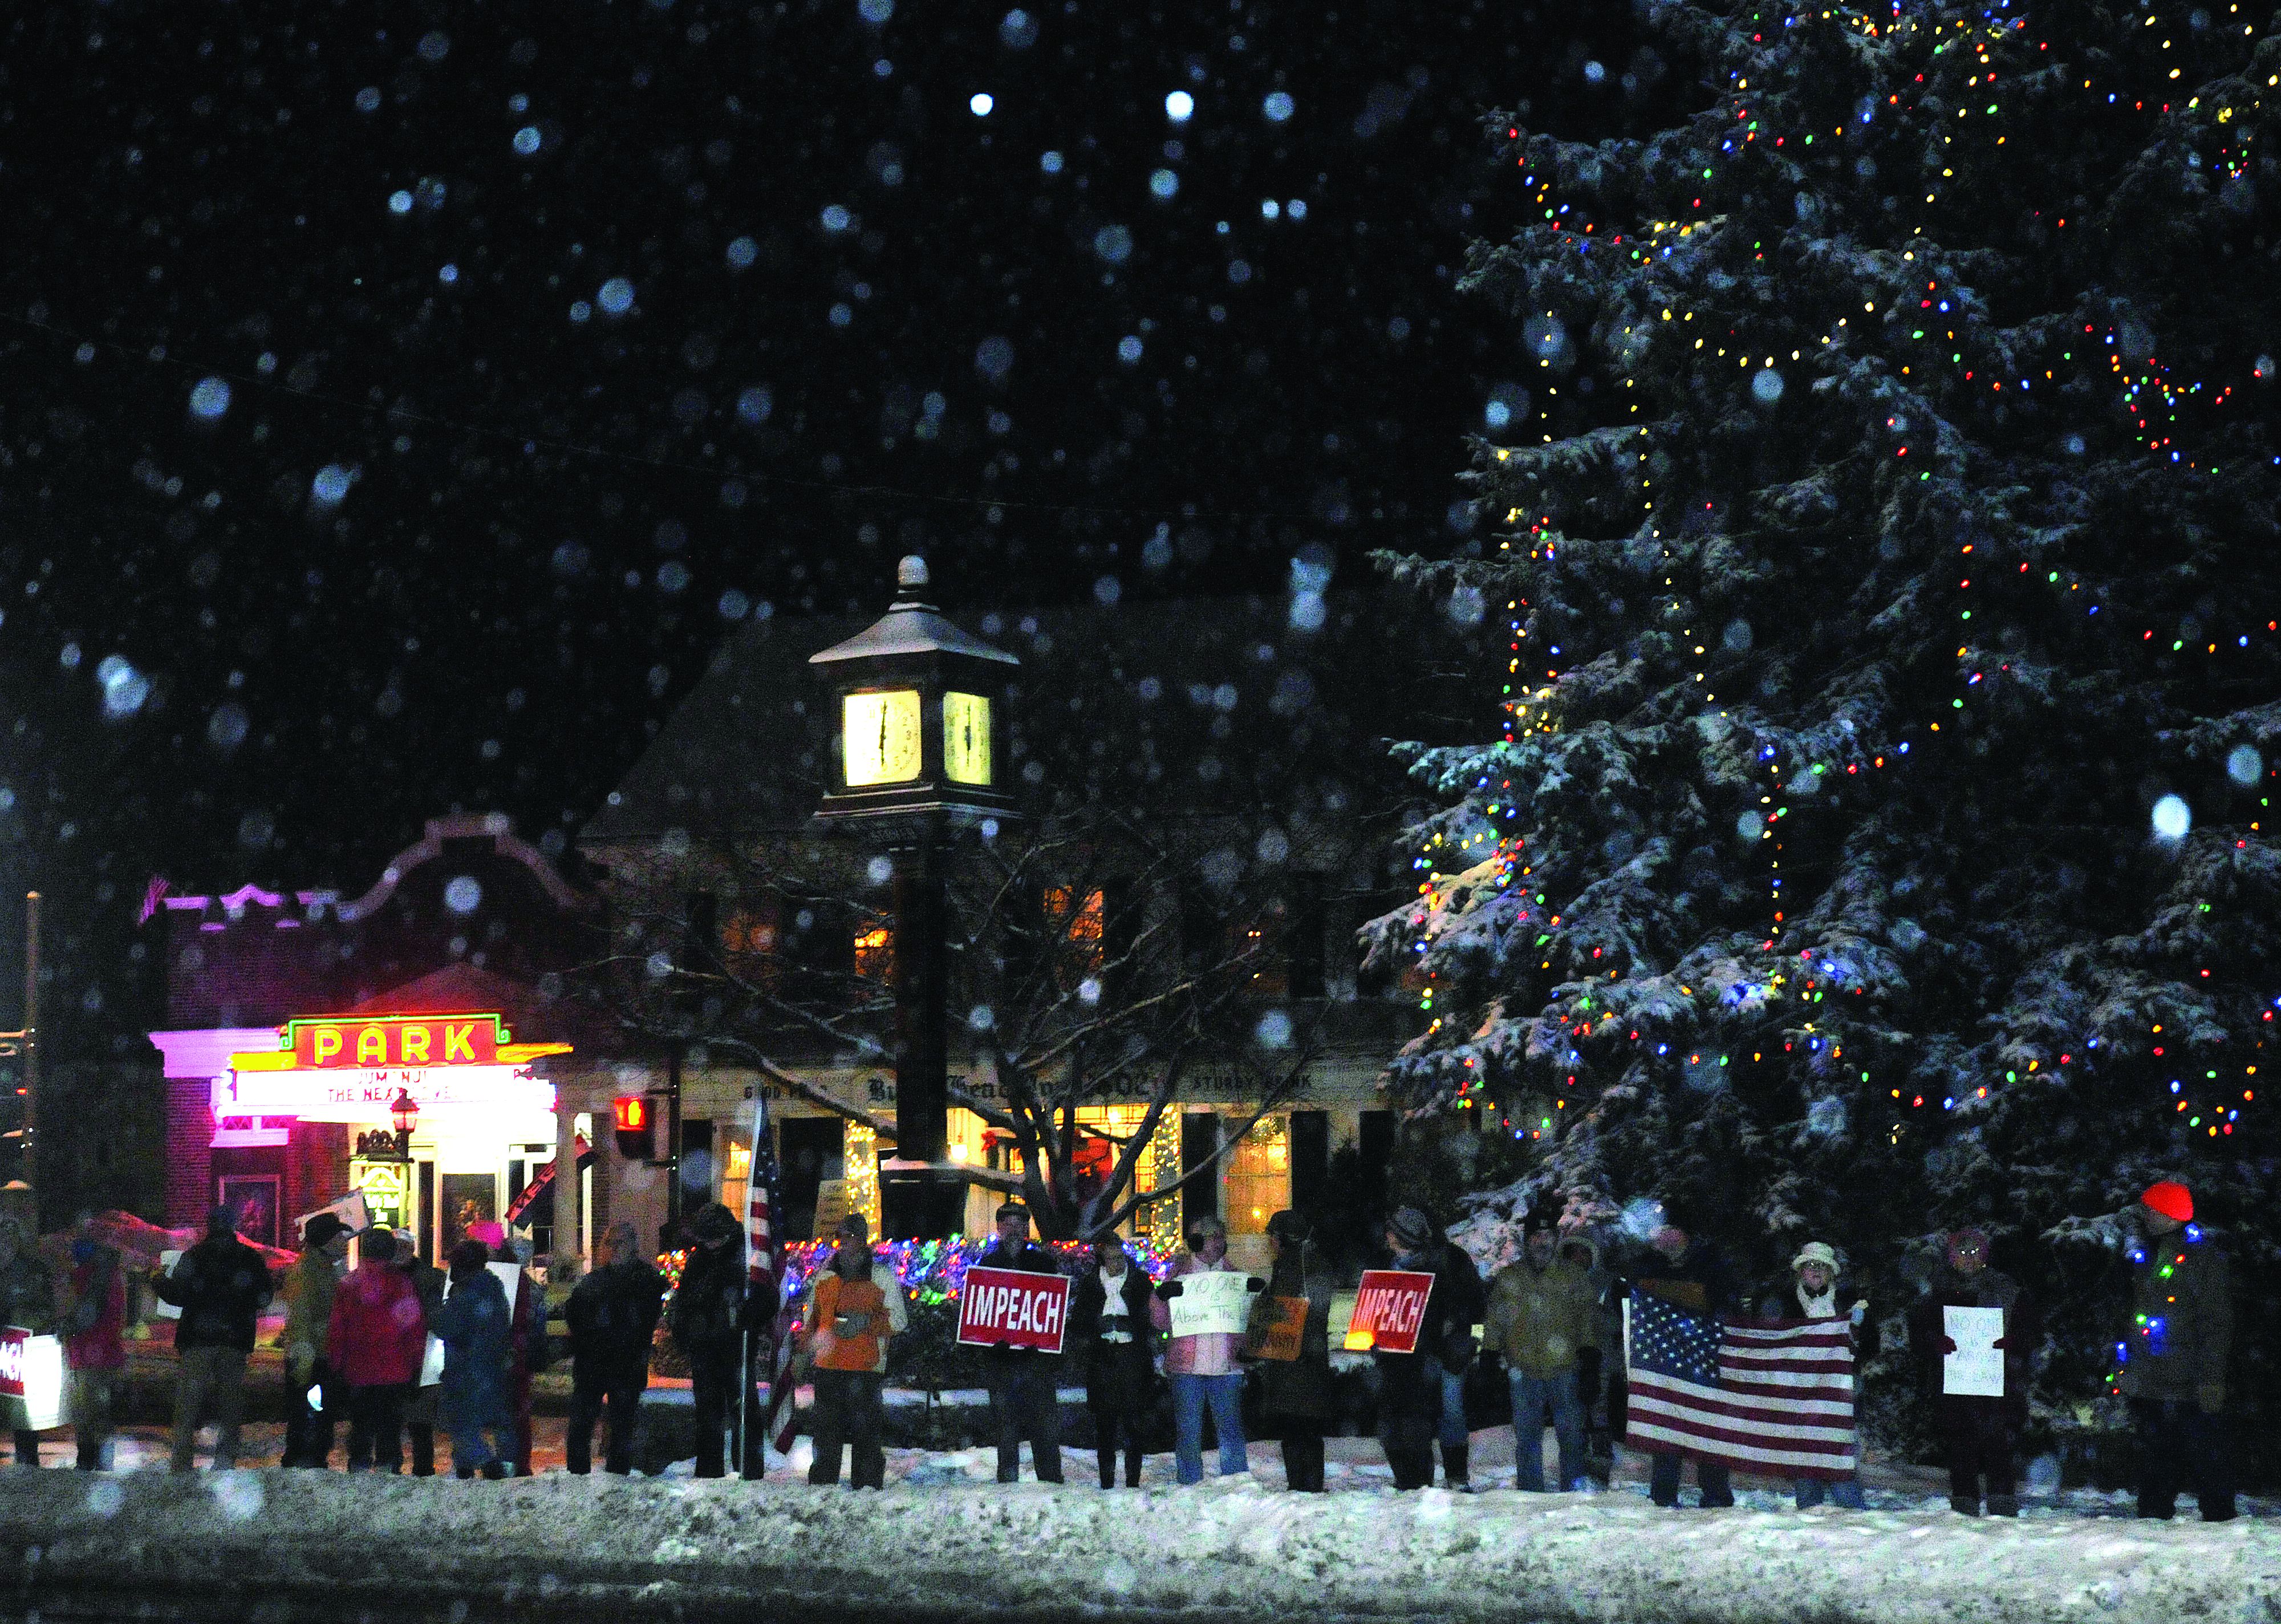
[(393, 1042)]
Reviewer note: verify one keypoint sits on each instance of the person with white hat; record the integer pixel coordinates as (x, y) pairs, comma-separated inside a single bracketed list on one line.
[(1813, 1295)]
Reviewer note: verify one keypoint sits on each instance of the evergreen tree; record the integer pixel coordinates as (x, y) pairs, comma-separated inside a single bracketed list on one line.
[(1874, 838)]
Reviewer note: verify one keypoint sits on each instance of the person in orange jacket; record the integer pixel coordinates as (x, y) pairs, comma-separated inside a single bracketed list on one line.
[(855, 1307)]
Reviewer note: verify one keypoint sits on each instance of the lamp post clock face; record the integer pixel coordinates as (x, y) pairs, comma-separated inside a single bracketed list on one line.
[(880, 736), (966, 737)]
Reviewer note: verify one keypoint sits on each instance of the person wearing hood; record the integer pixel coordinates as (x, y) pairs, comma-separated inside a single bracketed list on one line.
[(611, 1315), (476, 1325), (2174, 1352), (855, 1307), (1811, 1292), (1297, 1399), (95, 1351), (377, 1341), (1410, 1395), (1979, 1433), (1542, 1315), (222, 1284), (1111, 1327), (1202, 1365), (1689, 1273), (308, 1290), (707, 1321), (27, 1299)]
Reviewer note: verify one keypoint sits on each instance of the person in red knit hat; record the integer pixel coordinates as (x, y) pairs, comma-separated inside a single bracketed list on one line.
[(2173, 1356)]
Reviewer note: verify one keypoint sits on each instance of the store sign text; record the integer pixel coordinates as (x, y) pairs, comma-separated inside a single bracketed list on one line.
[(350, 1044), (365, 1096)]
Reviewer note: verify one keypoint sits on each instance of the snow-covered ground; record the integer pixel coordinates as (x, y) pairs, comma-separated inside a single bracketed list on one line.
[(944, 1541), (1231, 1548)]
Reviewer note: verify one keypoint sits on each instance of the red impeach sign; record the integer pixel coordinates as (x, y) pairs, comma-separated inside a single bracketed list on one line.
[(12, 1342), (1006, 1305), (395, 1041), (1389, 1309)]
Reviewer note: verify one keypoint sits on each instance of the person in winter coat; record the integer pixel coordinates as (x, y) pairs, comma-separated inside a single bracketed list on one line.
[(1978, 1432), (95, 1351), (1025, 1397), (428, 1282), (1542, 1315), (1111, 1328), (707, 1321), (613, 1315), (527, 1353), (477, 1327), (377, 1341), (1811, 1292), (1464, 1298), (1203, 1365), (2174, 1358), (1409, 1385), (1599, 1370), (855, 1307), (222, 1286), (1296, 1397), (1691, 1274), (308, 1288), (28, 1301)]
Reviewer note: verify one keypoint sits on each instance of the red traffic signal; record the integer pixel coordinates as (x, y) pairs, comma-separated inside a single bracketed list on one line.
[(634, 1126)]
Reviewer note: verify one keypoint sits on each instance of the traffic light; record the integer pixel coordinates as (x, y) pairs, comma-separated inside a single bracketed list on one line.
[(636, 1135)]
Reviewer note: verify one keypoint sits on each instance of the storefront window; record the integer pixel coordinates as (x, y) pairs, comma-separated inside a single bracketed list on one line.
[(875, 954), (1258, 1172)]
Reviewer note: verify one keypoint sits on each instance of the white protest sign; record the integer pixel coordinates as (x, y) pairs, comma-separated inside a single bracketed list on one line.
[(31, 1380), (1976, 1368), (1217, 1301), (163, 1308)]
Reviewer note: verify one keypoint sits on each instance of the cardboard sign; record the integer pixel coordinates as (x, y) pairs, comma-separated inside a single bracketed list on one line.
[(831, 1206), (1217, 1301), (1976, 1368), (31, 1380), (1388, 1310), (1278, 1333), (350, 1209), (160, 1307), (431, 1363), (1021, 1311)]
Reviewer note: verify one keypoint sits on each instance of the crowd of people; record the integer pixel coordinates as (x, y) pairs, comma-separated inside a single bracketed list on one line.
[(364, 1345)]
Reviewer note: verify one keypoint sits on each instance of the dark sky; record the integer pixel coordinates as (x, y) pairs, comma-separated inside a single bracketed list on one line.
[(396, 406)]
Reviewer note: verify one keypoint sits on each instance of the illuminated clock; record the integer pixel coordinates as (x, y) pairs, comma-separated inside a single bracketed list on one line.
[(966, 737), (879, 735)]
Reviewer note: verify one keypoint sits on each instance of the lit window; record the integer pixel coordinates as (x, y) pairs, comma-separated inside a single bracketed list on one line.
[(875, 954)]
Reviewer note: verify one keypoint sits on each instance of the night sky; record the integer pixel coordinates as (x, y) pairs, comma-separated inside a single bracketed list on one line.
[(396, 408)]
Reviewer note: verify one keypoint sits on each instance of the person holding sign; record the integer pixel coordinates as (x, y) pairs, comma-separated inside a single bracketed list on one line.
[(1109, 1323), (27, 1302), (1205, 1303), (1974, 1330), (856, 1305), (222, 1284), (95, 1355), (1289, 1335), (1811, 1294), (1409, 1399), (1025, 1382)]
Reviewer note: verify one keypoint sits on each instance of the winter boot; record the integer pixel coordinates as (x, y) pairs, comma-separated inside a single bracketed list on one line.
[(1964, 1506), (2003, 1506), (464, 1474), (1453, 1467), (494, 1469)]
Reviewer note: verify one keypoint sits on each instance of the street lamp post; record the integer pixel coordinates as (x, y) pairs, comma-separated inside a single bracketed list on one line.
[(920, 712), (403, 1116)]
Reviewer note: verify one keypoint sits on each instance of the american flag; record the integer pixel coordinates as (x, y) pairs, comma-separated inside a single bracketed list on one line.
[(764, 1279), (1772, 1398)]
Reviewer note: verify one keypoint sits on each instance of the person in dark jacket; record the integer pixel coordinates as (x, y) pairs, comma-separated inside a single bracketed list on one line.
[(1811, 1292), (611, 1315), (308, 1288), (477, 1327), (707, 1321), (222, 1286), (2174, 1358), (1978, 1431), (1464, 1300), (1025, 1399), (427, 1283), (1297, 1400), (1109, 1326), (28, 1301), (1409, 1396), (1690, 1275)]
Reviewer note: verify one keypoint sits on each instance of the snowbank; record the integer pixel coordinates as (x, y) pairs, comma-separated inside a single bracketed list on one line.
[(580, 1547)]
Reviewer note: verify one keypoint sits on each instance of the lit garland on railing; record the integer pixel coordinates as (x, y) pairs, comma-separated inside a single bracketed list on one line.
[(934, 1272)]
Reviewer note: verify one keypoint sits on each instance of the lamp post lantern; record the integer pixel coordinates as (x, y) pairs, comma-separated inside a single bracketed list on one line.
[(918, 753), (404, 1115)]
